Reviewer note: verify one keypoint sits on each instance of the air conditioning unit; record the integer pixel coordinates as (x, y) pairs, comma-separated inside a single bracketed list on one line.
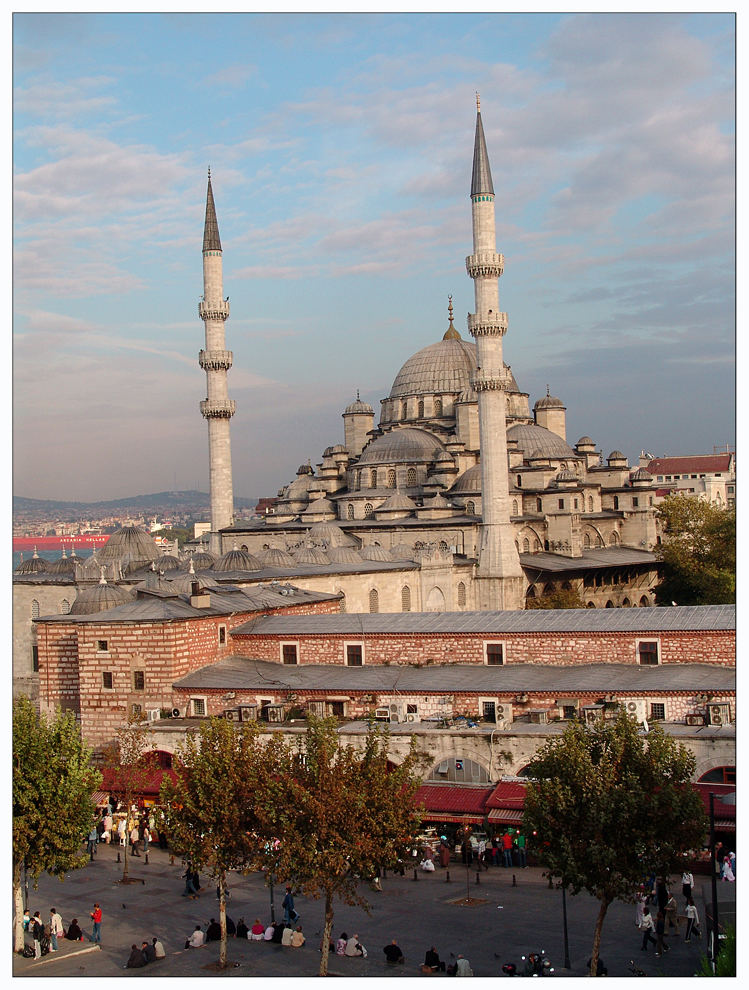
[(395, 708), (593, 714), (382, 714), (412, 717), (695, 718), (153, 714), (539, 716), (316, 708), (719, 714), (636, 707), (248, 713), (395, 717), (232, 715), (503, 712), (275, 713), (177, 713)]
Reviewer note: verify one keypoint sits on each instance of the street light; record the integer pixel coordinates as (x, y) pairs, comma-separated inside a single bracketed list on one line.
[(564, 918)]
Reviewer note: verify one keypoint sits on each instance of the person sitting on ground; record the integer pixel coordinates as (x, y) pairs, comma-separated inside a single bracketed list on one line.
[(278, 930), (231, 928), (286, 936), (297, 939), (340, 946), (463, 967), (393, 953), (158, 949), (269, 932), (242, 930), (213, 931), (432, 961), (197, 938), (149, 952), (74, 932), (137, 959), (257, 931), (354, 947)]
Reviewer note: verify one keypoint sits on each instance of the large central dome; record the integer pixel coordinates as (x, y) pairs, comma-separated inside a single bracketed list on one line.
[(442, 367)]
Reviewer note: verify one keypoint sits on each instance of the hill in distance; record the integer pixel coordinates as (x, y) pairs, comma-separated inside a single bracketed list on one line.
[(159, 501)]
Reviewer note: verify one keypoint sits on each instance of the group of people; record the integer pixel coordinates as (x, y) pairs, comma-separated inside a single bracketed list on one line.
[(45, 937), (134, 829), (509, 849), (147, 953), (282, 933), (667, 914), (725, 863)]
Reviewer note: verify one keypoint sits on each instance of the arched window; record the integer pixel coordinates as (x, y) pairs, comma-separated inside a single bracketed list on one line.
[(514, 507), (599, 540), (470, 508), (368, 510), (404, 411), (616, 501), (461, 595), (530, 593), (373, 478), (342, 602), (519, 480), (626, 603), (444, 546), (374, 601), (391, 477), (421, 409), (460, 770), (350, 510), (438, 407), (591, 605), (405, 599), (539, 505), (244, 547), (614, 540), (34, 609), (411, 478), (609, 604), (537, 546), (64, 607), (644, 602), (358, 480), (586, 541), (590, 503), (526, 545)]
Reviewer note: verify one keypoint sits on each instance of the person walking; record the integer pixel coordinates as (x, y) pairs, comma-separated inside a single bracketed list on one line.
[(693, 921), (522, 861), (56, 929), (507, 849), (443, 852), (289, 914), (641, 900), (134, 840), (660, 931), (671, 913), (687, 883), (146, 839), (647, 927), (93, 838), (37, 933), (96, 918)]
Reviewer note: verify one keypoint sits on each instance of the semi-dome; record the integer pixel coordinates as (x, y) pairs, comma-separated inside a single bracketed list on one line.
[(34, 565), (469, 483), (129, 542), (237, 560), (531, 438), (402, 446), (100, 597)]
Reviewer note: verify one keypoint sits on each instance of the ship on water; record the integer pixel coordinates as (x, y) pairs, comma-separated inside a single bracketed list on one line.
[(81, 541)]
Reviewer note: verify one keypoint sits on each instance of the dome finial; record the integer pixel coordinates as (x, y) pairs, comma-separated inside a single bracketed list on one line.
[(357, 396), (209, 173), (102, 579), (478, 102), (548, 393), (451, 333)]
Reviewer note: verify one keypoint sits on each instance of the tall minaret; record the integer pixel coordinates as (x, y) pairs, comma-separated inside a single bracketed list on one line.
[(500, 579), (217, 408)]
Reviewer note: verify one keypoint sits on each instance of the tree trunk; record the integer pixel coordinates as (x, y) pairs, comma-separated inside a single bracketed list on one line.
[(18, 939), (222, 917), (325, 948), (127, 836), (597, 937)]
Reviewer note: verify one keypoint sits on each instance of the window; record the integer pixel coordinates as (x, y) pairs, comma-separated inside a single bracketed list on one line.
[(34, 609), (438, 407), (222, 635), (470, 508), (586, 541), (136, 709), (35, 658), (519, 480), (647, 652), (719, 775), (569, 711), (102, 646), (494, 654), (358, 480), (289, 653), (368, 510), (350, 510), (561, 503), (539, 505), (198, 707), (614, 540), (411, 478), (616, 501), (657, 711), (514, 507), (405, 598), (354, 654), (374, 600), (635, 502), (404, 411), (342, 603), (373, 478), (107, 680), (526, 545), (337, 708), (590, 504), (461, 595), (421, 409), (64, 607), (139, 680), (391, 478), (576, 504), (458, 770)]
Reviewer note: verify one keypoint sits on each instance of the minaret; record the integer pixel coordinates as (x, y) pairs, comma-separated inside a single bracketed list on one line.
[(500, 578), (217, 407)]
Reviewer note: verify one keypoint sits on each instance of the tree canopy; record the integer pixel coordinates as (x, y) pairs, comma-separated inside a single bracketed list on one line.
[(698, 552), (608, 805), (558, 598), (53, 811)]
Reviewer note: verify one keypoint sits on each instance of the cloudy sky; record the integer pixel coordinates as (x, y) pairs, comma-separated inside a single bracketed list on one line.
[(340, 148)]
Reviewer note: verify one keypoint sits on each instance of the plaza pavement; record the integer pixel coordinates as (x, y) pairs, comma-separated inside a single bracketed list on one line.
[(504, 923)]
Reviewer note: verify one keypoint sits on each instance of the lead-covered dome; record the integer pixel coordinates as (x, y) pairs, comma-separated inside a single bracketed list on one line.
[(129, 542), (237, 560), (442, 367), (540, 442), (99, 598), (402, 446)]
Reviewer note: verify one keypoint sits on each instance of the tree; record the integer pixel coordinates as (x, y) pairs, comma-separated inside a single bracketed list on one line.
[(343, 814), (558, 598), (221, 776), (608, 805), (130, 764), (698, 552), (53, 811)]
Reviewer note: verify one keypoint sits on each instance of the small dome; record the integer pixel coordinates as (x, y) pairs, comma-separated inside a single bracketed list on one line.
[(641, 474), (358, 407), (203, 560), (129, 542), (166, 562), (34, 565), (375, 553), (311, 555), (565, 477), (401, 446), (549, 402), (531, 437), (616, 455), (402, 552), (397, 501), (331, 533), (237, 560), (99, 598), (344, 555), (304, 469), (63, 565), (276, 558), (320, 507), (585, 442), (469, 483)]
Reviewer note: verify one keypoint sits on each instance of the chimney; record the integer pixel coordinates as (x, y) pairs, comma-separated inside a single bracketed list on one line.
[(198, 598)]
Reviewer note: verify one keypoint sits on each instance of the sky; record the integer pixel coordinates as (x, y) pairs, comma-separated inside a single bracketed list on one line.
[(340, 149)]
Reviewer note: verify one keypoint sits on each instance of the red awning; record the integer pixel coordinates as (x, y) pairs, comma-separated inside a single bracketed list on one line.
[(453, 800), (443, 816), (723, 809), (150, 786), (507, 794), (507, 816)]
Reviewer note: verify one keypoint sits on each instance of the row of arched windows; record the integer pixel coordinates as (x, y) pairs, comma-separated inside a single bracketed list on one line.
[(390, 479), (64, 608)]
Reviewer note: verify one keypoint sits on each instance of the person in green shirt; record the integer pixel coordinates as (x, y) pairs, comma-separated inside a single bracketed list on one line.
[(520, 840)]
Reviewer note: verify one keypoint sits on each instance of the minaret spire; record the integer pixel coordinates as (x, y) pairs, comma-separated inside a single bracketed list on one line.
[(217, 407), (500, 578)]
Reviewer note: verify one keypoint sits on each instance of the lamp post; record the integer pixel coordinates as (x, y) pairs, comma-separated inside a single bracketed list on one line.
[(272, 906), (713, 885), (564, 921)]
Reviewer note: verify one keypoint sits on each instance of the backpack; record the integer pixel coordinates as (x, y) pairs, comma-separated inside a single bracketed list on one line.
[(37, 930), (28, 952)]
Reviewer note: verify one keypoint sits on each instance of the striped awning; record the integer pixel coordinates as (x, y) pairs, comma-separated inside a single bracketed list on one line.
[(100, 798), (444, 816), (509, 816)]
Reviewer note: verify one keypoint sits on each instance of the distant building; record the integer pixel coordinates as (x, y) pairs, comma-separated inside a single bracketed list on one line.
[(708, 476)]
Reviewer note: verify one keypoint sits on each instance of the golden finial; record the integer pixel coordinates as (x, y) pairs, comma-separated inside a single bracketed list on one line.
[(451, 333)]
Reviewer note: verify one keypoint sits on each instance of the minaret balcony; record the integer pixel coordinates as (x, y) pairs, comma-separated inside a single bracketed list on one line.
[(494, 325), (213, 310), (218, 408), (216, 360), (491, 380), (485, 264)]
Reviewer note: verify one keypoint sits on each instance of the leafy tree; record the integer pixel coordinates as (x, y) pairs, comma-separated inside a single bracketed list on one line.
[(698, 552), (559, 598), (130, 763), (53, 783), (342, 814), (609, 805), (222, 775)]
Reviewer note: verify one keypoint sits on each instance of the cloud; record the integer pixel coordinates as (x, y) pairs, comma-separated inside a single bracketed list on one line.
[(231, 76)]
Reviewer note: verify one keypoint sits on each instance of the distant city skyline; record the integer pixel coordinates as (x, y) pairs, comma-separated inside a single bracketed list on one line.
[(340, 149)]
